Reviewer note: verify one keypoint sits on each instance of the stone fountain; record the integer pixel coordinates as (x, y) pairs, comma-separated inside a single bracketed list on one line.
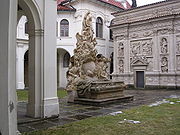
[(87, 77)]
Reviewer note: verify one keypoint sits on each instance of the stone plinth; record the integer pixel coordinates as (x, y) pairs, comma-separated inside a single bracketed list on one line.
[(101, 92)]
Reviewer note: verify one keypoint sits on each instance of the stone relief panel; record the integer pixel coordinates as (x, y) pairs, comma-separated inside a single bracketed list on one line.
[(141, 47), (121, 65), (141, 34), (164, 64), (178, 63), (164, 45), (120, 49)]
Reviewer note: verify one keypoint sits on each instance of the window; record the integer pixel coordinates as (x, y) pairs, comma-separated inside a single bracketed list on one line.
[(26, 28), (66, 59), (110, 33), (64, 28), (99, 28)]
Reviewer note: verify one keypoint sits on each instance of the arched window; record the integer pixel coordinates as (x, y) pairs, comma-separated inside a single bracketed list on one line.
[(64, 28), (110, 33), (66, 59), (99, 27), (26, 27)]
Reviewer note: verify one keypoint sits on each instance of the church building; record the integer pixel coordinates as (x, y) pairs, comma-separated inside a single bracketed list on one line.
[(147, 45)]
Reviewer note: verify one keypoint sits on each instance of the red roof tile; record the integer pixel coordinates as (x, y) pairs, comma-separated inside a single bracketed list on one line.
[(114, 3), (111, 2)]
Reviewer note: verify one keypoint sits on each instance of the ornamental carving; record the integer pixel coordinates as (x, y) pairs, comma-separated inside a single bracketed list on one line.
[(164, 45), (148, 33), (178, 45), (134, 35), (178, 63), (164, 64), (139, 60), (121, 66), (142, 47), (121, 49), (86, 64)]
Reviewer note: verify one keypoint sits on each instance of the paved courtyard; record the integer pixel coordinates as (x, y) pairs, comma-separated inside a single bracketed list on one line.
[(74, 112)]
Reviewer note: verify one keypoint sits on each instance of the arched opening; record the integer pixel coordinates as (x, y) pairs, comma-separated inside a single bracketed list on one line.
[(22, 45), (32, 58), (63, 58)]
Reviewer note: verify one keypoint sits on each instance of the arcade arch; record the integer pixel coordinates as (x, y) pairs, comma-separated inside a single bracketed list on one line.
[(63, 57)]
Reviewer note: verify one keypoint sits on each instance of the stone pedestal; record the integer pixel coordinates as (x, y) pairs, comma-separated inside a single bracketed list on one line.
[(101, 92)]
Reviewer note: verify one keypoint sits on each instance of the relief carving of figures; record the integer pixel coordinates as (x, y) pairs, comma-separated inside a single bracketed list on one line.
[(121, 49), (164, 45), (86, 63), (147, 48), (142, 47), (135, 48), (121, 66), (164, 64)]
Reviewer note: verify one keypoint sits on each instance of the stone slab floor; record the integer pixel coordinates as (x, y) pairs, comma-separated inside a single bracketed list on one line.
[(74, 112)]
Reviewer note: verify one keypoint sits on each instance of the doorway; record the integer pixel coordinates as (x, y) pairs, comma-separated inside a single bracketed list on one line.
[(139, 79)]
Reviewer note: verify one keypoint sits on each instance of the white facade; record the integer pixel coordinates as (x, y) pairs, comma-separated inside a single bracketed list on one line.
[(146, 47), (66, 44)]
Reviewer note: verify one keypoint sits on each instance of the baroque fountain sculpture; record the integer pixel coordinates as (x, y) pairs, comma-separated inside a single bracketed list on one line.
[(87, 77)]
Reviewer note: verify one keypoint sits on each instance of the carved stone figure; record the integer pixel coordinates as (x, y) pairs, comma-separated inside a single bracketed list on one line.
[(121, 66), (178, 62), (164, 46), (121, 49), (164, 64), (147, 48), (86, 64), (178, 48)]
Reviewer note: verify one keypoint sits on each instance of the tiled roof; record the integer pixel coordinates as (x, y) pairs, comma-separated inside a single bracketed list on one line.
[(110, 2), (61, 7), (115, 3), (162, 1)]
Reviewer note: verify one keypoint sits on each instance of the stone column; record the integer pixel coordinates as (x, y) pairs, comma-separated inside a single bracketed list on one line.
[(50, 104), (19, 66), (35, 79), (172, 51), (115, 59), (8, 110)]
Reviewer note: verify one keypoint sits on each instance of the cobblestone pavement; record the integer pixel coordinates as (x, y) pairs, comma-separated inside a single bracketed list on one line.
[(74, 112)]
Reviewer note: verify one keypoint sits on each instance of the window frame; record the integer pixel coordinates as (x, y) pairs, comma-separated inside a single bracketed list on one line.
[(99, 27), (64, 28)]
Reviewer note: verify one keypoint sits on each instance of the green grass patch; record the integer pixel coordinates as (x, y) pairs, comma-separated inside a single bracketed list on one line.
[(22, 95), (61, 93), (158, 120)]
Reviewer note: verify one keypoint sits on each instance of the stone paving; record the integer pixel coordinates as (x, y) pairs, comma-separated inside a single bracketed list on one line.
[(73, 112)]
